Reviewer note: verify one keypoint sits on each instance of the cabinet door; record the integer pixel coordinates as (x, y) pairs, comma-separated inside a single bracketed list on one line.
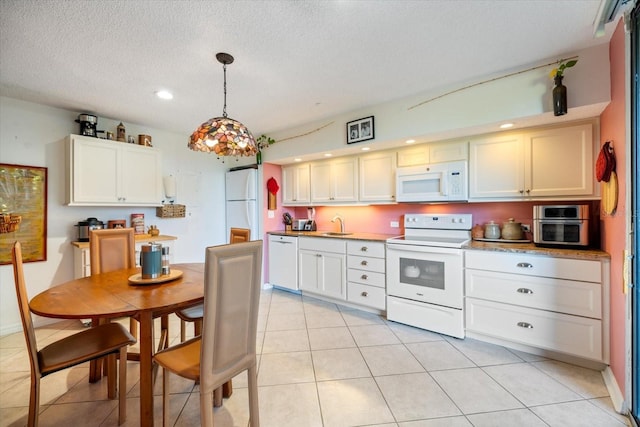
[(344, 179), (309, 278), (295, 185), (496, 167), (332, 280), (448, 151), (413, 156), (94, 172), (378, 178), (141, 176), (561, 161), (321, 185)]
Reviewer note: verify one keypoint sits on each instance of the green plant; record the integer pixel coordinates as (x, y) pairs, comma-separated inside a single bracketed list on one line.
[(264, 141), (559, 70)]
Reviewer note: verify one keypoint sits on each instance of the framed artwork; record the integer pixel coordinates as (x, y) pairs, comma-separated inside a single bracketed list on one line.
[(360, 130), (23, 211)]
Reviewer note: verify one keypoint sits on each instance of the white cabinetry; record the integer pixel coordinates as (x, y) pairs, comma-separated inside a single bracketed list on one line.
[(378, 177), (433, 153), (366, 279), (555, 162), (295, 185), (82, 257), (283, 261), (334, 181), (538, 301), (322, 266), (107, 173)]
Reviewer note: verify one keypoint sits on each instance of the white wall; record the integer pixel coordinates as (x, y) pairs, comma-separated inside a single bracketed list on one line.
[(32, 134)]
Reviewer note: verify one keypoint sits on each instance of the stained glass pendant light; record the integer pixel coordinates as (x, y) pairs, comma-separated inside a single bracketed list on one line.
[(223, 135)]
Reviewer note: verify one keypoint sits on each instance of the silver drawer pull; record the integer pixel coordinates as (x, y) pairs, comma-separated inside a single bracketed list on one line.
[(525, 291), (525, 325), (365, 294), (364, 277), (524, 265), (364, 262), (364, 249)]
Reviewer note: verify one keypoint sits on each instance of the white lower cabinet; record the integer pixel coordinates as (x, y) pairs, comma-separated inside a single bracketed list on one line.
[(540, 301), (366, 279), (322, 266)]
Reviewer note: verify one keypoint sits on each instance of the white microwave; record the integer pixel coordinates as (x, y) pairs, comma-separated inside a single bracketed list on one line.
[(437, 182)]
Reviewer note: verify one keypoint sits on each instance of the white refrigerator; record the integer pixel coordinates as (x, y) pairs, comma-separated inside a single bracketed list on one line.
[(242, 200)]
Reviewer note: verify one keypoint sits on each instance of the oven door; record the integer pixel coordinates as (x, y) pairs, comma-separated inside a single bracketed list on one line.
[(426, 274)]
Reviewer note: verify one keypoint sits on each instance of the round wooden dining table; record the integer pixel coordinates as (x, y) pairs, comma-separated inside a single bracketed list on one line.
[(110, 295)]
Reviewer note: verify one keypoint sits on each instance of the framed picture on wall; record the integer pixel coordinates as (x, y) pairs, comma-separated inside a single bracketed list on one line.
[(360, 130), (23, 211)]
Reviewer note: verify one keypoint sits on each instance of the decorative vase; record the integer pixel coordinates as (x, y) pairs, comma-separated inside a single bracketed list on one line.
[(559, 97), (259, 157)]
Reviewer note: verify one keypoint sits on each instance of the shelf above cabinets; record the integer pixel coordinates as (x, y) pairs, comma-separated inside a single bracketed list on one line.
[(108, 173)]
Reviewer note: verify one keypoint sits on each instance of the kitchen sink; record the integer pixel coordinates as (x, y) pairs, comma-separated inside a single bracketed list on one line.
[(336, 233)]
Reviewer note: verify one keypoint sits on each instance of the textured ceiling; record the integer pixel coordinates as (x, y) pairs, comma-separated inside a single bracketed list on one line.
[(295, 61)]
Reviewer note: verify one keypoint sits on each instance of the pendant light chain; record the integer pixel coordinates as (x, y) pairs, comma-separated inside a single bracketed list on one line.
[(224, 109)]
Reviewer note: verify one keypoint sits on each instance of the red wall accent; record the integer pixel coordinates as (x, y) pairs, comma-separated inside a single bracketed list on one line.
[(612, 128)]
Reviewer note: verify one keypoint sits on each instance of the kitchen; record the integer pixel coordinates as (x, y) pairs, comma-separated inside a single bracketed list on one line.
[(177, 160)]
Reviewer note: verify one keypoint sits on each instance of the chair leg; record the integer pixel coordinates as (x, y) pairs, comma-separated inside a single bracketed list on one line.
[(122, 387), (217, 397), (197, 327), (133, 327), (183, 330), (111, 375), (165, 397), (227, 389), (206, 411), (34, 400), (254, 412)]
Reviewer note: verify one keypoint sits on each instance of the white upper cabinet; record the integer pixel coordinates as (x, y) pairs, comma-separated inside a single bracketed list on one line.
[(295, 185), (555, 162), (334, 181), (106, 173), (433, 153), (377, 177)]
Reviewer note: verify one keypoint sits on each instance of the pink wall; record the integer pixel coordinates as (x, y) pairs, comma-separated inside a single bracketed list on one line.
[(612, 128)]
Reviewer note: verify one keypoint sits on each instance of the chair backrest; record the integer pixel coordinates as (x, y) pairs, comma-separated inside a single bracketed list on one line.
[(239, 235), (112, 249), (23, 305), (231, 299)]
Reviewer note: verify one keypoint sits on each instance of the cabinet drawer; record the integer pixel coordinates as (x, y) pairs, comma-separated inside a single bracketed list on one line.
[(535, 265), (321, 244), (575, 335), (366, 277), (366, 263), (364, 247), (564, 296), (366, 295)]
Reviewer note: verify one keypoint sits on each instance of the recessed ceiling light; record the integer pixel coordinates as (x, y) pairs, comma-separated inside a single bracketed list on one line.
[(506, 125), (328, 154), (366, 148), (410, 141), (164, 94), (297, 160)]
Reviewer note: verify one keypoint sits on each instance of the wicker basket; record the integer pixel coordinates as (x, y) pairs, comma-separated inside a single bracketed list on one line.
[(171, 211), (9, 223)]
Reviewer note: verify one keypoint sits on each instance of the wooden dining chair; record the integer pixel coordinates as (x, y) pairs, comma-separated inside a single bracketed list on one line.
[(227, 345), (194, 314), (108, 340)]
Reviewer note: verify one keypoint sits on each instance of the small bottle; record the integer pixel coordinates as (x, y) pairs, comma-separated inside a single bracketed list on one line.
[(121, 133), (166, 270)]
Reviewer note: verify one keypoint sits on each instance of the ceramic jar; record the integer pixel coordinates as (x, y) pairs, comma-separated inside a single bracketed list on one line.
[(512, 230), (477, 232), (491, 230)]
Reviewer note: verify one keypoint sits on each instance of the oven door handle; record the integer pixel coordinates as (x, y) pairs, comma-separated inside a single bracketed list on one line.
[(422, 249)]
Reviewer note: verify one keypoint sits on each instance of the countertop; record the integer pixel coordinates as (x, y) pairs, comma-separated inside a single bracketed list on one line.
[(322, 233), (138, 238), (530, 248), (525, 248)]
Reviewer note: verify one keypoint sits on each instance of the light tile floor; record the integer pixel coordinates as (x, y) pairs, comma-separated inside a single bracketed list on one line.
[(321, 364)]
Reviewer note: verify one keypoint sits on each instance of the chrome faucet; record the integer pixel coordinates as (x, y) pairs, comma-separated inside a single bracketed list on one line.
[(339, 218)]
